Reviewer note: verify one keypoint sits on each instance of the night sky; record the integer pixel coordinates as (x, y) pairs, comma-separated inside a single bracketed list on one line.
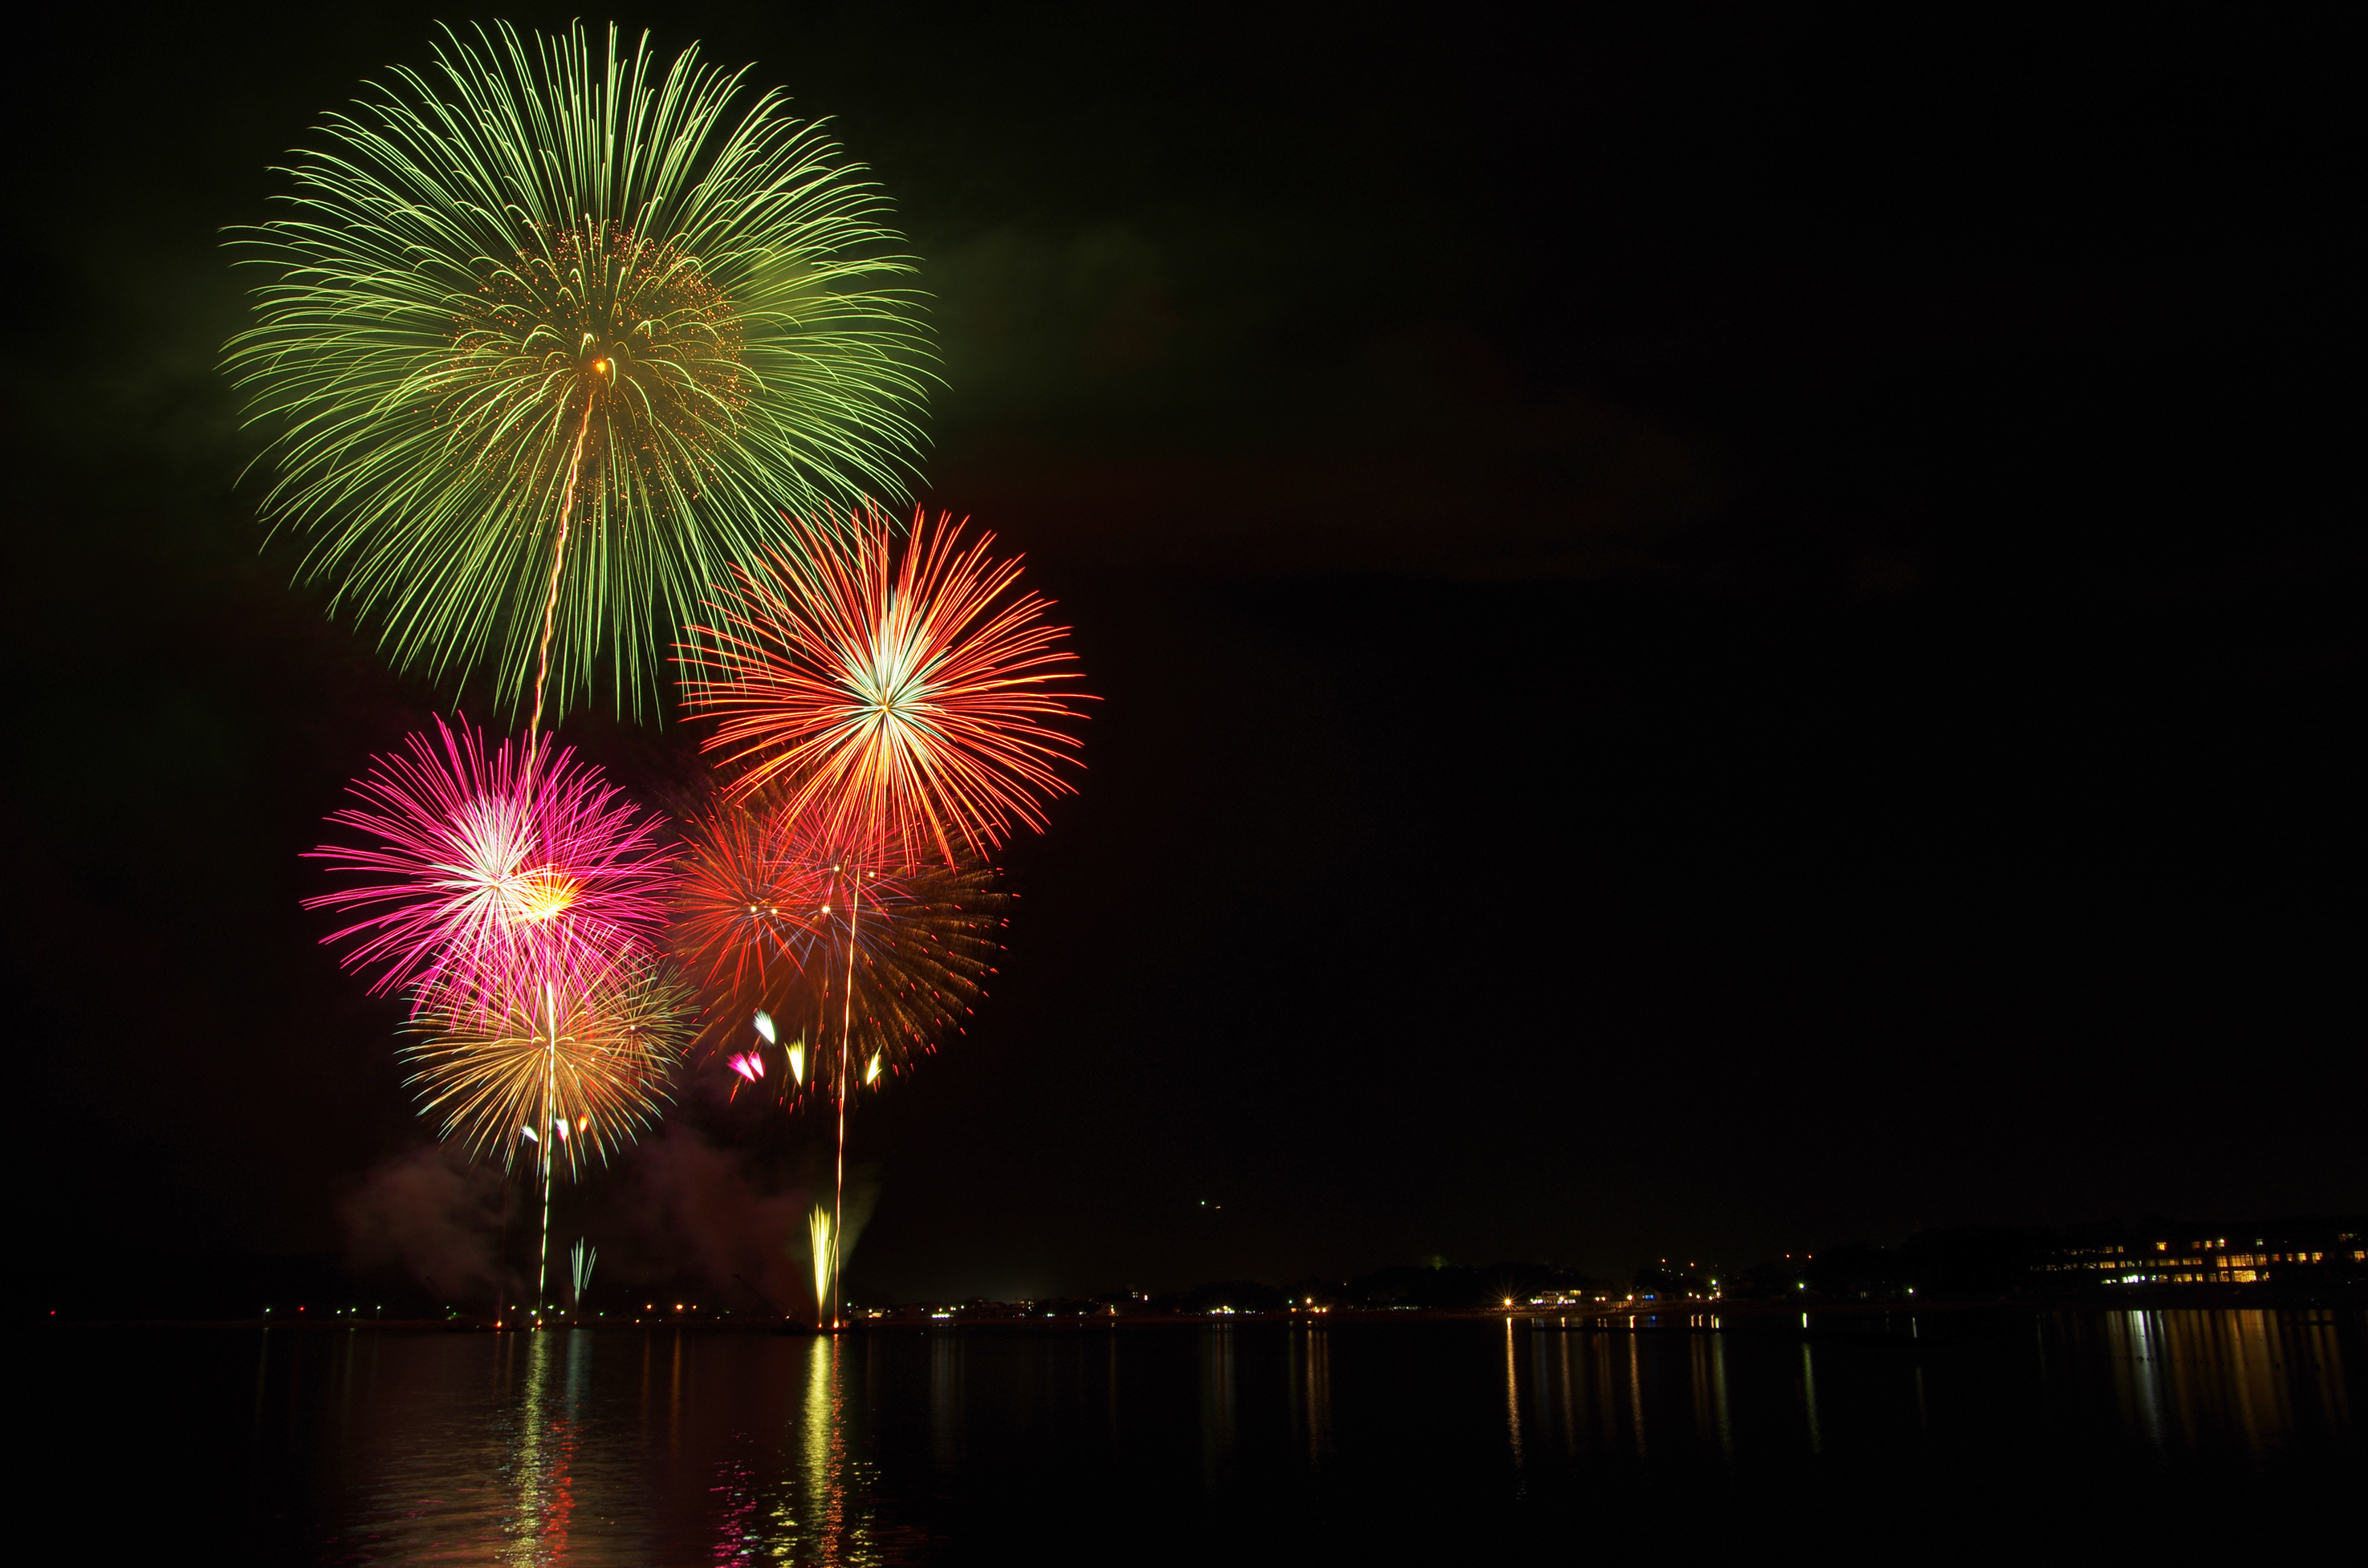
[(1720, 631)]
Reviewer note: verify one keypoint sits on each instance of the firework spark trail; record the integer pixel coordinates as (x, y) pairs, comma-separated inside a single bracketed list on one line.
[(557, 284), (846, 1032), (887, 692), (551, 1124), (486, 870)]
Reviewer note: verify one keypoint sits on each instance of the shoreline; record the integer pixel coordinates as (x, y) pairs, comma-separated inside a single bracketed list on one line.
[(1699, 1317)]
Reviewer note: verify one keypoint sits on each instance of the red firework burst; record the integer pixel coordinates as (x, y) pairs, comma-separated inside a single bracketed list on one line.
[(746, 909), (900, 692), (484, 868), (773, 913)]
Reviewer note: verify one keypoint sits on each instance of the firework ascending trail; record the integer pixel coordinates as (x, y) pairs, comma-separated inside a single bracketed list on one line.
[(887, 694), (487, 875), (552, 337)]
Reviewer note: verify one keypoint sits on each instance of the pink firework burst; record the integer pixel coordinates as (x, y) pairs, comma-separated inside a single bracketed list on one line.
[(480, 869)]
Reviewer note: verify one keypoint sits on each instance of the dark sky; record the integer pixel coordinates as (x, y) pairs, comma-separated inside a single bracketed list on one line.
[(1721, 631)]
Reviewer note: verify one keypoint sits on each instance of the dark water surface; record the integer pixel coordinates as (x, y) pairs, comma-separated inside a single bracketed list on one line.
[(2151, 1431)]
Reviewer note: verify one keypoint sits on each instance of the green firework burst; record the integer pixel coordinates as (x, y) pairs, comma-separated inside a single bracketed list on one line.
[(551, 341)]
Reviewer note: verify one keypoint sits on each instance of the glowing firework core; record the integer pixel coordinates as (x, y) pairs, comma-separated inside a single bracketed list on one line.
[(540, 896), (596, 313)]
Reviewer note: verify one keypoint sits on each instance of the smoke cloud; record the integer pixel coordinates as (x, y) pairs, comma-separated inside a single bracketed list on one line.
[(433, 1215), (702, 1210), (733, 1222)]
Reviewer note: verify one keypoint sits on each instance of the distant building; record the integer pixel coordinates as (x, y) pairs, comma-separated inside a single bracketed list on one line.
[(2190, 1260)]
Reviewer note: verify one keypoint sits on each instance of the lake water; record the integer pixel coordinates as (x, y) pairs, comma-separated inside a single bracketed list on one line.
[(1452, 1441)]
